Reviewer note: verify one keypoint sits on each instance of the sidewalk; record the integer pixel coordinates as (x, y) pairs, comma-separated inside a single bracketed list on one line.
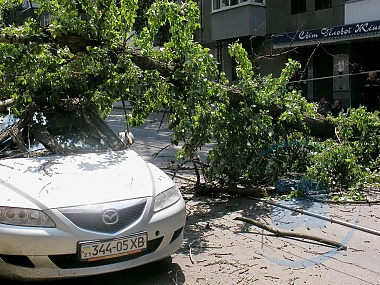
[(221, 250)]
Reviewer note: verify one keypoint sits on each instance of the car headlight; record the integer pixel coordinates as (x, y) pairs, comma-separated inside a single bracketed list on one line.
[(166, 198), (25, 217)]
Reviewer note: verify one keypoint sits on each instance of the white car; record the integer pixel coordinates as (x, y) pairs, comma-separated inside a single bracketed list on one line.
[(76, 201)]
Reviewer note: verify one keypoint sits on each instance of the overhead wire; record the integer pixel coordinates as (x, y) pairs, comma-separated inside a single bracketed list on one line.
[(333, 76)]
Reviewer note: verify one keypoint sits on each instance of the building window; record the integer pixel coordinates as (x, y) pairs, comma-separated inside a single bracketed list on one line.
[(26, 4), (225, 3), (322, 4), (298, 6), (45, 19), (216, 4)]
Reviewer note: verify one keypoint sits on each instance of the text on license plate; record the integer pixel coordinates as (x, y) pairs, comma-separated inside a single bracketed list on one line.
[(97, 250)]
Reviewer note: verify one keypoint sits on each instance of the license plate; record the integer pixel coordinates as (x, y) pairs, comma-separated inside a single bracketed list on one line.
[(103, 249)]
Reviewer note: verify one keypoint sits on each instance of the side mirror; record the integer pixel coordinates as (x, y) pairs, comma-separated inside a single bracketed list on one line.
[(127, 137)]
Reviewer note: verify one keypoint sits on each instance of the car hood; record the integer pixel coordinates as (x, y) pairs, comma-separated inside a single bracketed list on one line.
[(62, 181)]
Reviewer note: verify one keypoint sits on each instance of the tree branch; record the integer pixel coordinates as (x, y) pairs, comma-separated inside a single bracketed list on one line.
[(291, 234), (320, 127)]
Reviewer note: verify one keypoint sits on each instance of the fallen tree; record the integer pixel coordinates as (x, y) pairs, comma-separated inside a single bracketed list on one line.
[(319, 126), (89, 55)]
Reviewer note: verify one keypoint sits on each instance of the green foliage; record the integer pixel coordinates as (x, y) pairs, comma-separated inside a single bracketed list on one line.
[(189, 93), (251, 146), (352, 162), (54, 74)]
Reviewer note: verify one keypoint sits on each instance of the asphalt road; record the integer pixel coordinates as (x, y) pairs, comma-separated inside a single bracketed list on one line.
[(152, 140)]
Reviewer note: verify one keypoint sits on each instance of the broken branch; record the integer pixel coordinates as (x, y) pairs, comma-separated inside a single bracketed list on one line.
[(291, 234)]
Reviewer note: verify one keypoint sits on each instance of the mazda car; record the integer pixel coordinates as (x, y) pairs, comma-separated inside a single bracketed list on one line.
[(75, 200)]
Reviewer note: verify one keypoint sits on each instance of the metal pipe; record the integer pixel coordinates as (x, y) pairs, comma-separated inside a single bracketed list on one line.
[(332, 220)]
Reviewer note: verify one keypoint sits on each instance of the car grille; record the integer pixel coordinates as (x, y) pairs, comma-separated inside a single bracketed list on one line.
[(67, 261), (92, 217)]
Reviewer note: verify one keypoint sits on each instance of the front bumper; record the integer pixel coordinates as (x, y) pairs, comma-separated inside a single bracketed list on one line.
[(42, 254)]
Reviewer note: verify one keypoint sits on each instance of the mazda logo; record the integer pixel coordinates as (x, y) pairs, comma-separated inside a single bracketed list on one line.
[(110, 216)]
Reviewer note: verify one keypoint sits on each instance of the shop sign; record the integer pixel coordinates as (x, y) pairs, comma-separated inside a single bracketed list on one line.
[(328, 34)]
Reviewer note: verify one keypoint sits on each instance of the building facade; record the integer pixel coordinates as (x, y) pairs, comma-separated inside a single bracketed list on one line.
[(337, 42), (26, 9)]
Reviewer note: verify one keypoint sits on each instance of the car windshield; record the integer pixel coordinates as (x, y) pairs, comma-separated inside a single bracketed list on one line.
[(61, 132)]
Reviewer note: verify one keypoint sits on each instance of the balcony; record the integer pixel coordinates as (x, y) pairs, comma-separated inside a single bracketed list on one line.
[(359, 11), (239, 19)]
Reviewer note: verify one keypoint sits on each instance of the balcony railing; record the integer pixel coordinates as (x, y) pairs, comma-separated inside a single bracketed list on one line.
[(218, 5), (240, 21)]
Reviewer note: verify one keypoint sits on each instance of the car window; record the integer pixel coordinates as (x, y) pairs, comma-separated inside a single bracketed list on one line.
[(58, 132)]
